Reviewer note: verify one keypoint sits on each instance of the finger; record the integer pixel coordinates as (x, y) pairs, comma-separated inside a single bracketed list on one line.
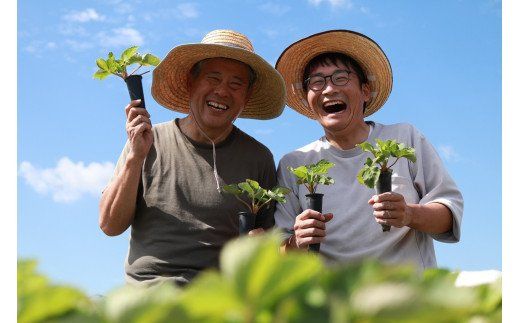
[(386, 205), (255, 232), (310, 232), (140, 129), (385, 214), (328, 217), (388, 196), (310, 214), (309, 223), (134, 103), (134, 112), (304, 242), (138, 120)]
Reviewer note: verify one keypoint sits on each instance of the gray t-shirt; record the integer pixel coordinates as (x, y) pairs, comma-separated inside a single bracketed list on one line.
[(353, 234), (181, 220)]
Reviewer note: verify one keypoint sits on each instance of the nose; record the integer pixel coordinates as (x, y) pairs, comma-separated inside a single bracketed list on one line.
[(221, 90), (329, 86)]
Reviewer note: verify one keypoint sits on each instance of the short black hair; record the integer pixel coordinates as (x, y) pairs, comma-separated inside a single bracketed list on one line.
[(195, 71), (333, 58)]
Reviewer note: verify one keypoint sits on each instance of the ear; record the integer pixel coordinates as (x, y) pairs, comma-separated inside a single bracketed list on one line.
[(249, 93), (365, 88)]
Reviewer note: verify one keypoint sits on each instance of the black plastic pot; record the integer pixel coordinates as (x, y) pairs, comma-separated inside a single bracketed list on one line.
[(246, 222), (135, 88), (315, 202), (384, 184)]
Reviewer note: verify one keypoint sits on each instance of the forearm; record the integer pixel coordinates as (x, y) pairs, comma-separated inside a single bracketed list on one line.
[(118, 202), (432, 218)]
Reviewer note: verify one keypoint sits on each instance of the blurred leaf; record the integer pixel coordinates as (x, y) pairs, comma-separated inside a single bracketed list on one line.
[(150, 59)]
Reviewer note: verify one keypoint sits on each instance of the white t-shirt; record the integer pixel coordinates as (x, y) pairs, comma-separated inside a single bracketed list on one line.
[(353, 234)]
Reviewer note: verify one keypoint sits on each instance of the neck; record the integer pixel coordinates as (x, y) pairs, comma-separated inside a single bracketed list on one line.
[(349, 137), (195, 131)]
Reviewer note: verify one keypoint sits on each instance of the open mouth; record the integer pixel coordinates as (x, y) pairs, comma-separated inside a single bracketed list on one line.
[(217, 106), (334, 106)]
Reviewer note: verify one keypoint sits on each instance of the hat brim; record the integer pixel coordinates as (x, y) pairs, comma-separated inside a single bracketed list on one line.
[(169, 85), (365, 51)]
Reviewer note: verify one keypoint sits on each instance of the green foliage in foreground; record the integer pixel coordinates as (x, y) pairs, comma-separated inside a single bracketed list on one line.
[(369, 174), (258, 284)]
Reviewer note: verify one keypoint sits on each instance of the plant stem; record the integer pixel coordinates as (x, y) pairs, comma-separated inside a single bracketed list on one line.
[(394, 163), (135, 70), (246, 204)]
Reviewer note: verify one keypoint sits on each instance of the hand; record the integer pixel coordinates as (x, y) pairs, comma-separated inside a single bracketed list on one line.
[(390, 208), (138, 129), (255, 232), (309, 227)]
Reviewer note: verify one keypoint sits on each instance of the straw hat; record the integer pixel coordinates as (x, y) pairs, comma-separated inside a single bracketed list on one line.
[(169, 85), (365, 51)]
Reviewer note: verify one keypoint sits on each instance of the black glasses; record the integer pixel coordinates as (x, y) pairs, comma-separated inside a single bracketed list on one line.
[(317, 82)]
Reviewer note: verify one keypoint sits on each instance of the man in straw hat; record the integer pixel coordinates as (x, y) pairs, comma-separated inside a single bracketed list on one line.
[(167, 182), (339, 78)]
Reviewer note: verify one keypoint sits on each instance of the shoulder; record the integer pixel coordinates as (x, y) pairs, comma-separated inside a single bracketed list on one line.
[(400, 131), (304, 155), (251, 144)]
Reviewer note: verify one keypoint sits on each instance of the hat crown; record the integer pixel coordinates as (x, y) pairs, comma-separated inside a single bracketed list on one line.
[(228, 38)]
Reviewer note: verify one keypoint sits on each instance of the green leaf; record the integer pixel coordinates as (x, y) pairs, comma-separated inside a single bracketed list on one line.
[(232, 189), (246, 188), (150, 59), (102, 64), (128, 53), (313, 174), (136, 58), (100, 74)]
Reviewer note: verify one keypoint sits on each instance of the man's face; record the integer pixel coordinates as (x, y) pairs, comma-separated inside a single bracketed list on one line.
[(219, 92), (338, 107)]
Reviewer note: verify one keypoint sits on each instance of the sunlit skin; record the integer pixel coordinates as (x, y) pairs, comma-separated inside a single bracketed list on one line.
[(346, 128), (217, 96)]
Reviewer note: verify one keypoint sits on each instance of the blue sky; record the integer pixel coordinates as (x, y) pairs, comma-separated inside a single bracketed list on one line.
[(446, 58)]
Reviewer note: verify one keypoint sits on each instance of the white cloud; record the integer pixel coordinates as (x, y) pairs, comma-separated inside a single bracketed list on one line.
[(333, 3), (79, 46), (449, 153), (68, 181), (121, 37), (188, 10), (84, 16), (274, 8)]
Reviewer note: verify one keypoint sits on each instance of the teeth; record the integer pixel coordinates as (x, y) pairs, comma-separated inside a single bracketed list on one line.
[(329, 103), (217, 105)]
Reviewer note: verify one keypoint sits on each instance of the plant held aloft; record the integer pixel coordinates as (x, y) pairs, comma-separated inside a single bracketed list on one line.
[(118, 67), (256, 198), (378, 172), (311, 176)]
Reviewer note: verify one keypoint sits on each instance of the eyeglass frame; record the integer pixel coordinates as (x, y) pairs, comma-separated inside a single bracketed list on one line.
[(306, 82)]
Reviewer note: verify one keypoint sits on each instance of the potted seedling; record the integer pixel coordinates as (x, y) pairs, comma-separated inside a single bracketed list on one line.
[(257, 197), (311, 176), (118, 67), (377, 172)]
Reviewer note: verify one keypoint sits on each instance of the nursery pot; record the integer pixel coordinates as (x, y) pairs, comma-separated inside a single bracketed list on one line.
[(135, 88), (315, 202), (246, 222), (384, 184)]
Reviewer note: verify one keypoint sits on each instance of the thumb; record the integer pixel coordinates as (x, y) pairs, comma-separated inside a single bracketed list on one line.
[(328, 217)]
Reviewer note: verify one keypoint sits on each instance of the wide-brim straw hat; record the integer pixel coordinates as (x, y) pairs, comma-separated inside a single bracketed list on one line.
[(292, 62), (169, 85)]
